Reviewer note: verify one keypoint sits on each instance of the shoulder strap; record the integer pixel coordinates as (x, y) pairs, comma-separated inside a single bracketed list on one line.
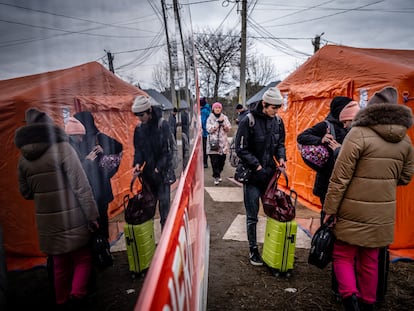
[(160, 122), (279, 120), (251, 119)]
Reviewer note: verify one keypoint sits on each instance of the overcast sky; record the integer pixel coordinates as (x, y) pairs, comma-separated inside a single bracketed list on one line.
[(44, 35)]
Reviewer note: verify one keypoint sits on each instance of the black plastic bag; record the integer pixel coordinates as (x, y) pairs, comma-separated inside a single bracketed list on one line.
[(242, 173), (101, 250), (141, 206), (320, 254)]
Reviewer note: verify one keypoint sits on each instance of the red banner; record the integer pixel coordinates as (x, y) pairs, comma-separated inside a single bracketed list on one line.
[(177, 278)]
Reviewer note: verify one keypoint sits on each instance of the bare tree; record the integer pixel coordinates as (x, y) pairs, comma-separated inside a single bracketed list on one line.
[(260, 69), (160, 77), (218, 52)]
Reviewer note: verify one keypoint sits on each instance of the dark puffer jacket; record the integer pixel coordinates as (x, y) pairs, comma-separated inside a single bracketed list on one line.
[(151, 147), (376, 156), (313, 136), (258, 144), (99, 177), (51, 174)]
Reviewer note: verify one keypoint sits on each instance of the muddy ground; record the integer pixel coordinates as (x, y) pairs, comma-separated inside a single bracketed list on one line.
[(234, 284)]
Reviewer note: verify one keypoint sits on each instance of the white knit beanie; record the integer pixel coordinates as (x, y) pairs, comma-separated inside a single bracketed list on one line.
[(273, 97), (141, 104)]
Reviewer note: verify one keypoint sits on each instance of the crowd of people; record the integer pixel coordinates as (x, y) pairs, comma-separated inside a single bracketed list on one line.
[(67, 172), (360, 198)]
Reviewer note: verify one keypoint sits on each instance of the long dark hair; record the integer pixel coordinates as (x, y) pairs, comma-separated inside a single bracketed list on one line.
[(156, 115)]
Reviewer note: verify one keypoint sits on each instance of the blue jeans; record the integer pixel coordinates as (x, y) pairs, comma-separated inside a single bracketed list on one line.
[(251, 195)]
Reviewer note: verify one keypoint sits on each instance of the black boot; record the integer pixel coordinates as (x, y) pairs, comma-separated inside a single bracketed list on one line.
[(351, 303), (367, 306)]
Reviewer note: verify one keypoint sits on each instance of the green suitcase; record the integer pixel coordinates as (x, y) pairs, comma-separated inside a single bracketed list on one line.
[(279, 246), (140, 245)]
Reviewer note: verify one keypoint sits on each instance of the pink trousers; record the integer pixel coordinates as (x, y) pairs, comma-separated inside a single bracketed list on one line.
[(72, 272), (356, 269)]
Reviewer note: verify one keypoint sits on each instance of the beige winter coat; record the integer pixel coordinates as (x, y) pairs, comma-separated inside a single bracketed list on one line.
[(51, 174), (375, 157)]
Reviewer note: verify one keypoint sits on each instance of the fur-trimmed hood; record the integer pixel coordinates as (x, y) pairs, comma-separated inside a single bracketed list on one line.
[(34, 139), (390, 121)]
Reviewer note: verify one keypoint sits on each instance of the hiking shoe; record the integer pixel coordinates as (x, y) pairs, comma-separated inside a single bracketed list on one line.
[(216, 181), (254, 257)]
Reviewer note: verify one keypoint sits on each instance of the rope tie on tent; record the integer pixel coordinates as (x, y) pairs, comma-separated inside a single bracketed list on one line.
[(406, 97)]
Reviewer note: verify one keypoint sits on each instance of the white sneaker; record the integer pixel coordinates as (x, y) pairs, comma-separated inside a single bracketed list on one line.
[(219, 179), (216, 181)]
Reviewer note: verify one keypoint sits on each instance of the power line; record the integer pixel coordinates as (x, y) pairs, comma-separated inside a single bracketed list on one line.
[(65, 32), (198, 2), (300, 11), (279, 44), (286, 7), (71, 17), (326, 16), (146, 53)]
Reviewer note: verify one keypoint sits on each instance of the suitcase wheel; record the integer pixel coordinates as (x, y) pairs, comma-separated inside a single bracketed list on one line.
[(277, 273), (141, 274)]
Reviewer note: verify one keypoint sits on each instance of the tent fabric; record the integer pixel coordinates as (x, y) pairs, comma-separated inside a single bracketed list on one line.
[(160, 99), (357, 73), (61, 94), (258, 96)]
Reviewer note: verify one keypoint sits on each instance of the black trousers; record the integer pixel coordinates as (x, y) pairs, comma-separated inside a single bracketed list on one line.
[(205, 155), (217, 164)]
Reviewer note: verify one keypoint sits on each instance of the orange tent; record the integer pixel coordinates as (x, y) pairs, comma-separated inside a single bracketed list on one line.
[(357, 73), (61, 94)]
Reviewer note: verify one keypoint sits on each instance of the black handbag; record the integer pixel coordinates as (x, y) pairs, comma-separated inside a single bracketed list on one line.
[(242, 173), (215, 142), (141, 206), (101, 250), (322, 244)]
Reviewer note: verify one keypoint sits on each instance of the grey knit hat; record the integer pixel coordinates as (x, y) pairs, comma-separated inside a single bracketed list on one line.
[(273, 97), (141, 104), (33, 115), (388, 95)]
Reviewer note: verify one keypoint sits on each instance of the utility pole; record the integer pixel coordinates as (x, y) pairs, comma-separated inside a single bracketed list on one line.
[(242, 90), (317, 42), (110, 60), (177, 16), (172, 84)]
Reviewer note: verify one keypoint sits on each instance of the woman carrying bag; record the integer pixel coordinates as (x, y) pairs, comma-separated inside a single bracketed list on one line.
[(218, 125)]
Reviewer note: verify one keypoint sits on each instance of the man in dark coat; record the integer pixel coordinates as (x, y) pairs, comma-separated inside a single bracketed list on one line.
[(257, 146), (152, 154), (172, 121)]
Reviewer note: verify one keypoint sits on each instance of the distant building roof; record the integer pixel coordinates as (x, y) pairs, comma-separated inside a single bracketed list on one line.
[(159, 99), (258, 96), (183, 105)]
